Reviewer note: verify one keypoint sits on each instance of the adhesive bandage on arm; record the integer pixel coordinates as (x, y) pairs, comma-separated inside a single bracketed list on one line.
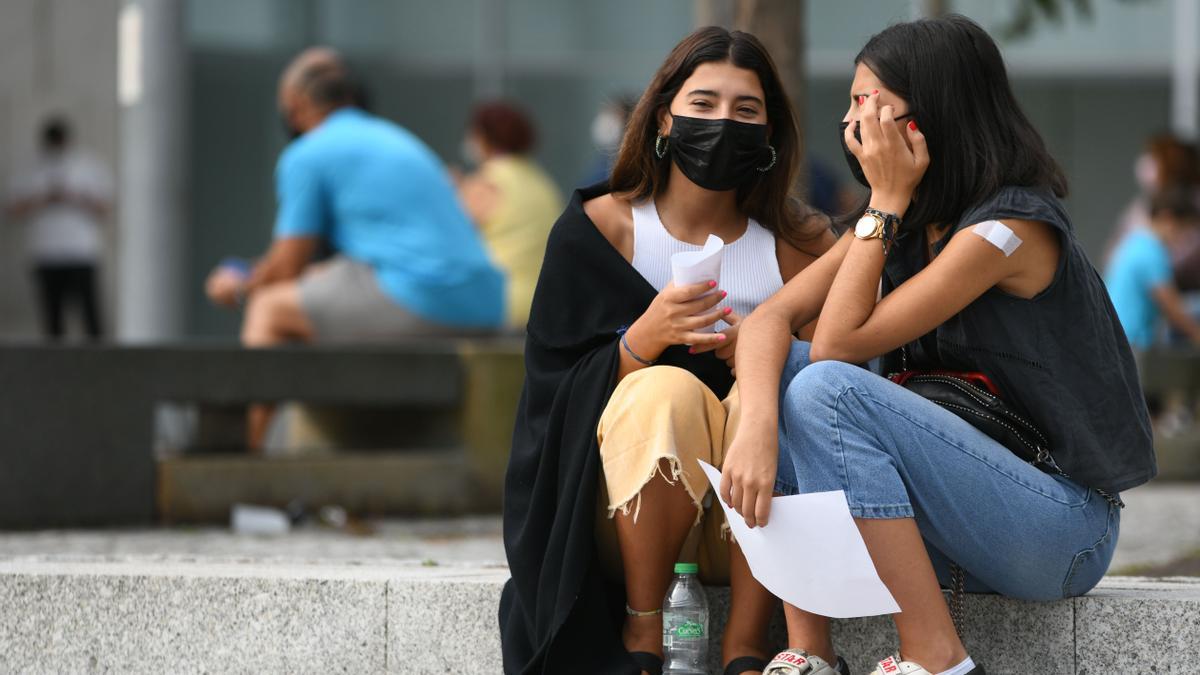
[(999, 235)]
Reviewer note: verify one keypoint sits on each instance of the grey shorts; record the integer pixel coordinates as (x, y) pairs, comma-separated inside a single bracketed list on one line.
[(343, 301)]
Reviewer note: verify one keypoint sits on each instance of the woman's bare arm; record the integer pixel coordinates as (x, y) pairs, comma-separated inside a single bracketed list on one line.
[(763, 344)]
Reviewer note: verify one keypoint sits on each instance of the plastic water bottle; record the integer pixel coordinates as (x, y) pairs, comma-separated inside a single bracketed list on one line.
[(685, 624)]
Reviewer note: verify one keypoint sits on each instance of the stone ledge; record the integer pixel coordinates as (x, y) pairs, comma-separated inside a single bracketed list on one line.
[(1139, 626), (192, 615)]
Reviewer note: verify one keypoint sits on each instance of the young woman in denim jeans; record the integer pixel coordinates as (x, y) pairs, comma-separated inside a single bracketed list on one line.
[(979, 270)]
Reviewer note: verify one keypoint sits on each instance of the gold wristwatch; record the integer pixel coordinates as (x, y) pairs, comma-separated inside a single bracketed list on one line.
[(876, 224)]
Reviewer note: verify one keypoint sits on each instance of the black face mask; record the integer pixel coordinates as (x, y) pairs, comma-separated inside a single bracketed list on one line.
[(718, 154), (851, 160)]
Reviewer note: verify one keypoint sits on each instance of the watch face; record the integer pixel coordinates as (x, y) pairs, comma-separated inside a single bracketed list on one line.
[(866, 227)]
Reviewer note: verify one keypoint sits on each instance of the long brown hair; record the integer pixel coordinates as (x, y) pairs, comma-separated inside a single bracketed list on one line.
[(639, 174)]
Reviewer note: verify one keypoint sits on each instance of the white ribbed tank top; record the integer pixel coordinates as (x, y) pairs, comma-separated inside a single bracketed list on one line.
[(749, 266)]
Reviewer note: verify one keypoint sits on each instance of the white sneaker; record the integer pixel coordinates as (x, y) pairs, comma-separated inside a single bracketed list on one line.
[(892, 665), (799, 662)]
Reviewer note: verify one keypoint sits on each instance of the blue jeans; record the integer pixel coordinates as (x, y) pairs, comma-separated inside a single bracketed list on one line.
[(1014, 529)]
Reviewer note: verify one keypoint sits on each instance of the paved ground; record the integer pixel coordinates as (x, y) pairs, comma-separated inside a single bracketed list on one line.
[(448, 541), (1161, 525)]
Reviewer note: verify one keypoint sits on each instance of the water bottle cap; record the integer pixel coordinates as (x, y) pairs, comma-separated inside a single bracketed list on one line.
[(686, 568)]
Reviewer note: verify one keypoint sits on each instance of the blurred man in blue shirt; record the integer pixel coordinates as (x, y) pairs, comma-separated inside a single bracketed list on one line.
[(1139, 275), (408, 260)]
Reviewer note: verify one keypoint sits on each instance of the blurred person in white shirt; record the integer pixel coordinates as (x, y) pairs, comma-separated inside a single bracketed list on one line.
[(63, 199)]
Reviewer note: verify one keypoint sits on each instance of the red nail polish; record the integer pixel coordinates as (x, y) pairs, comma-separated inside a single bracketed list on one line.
[(912, 125), (724, 293), (728, 310), (876, 91), (712, 284), (861, 99), (721, 337)]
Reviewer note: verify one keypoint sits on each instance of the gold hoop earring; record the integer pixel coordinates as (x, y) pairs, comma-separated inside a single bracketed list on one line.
[(774, 156)]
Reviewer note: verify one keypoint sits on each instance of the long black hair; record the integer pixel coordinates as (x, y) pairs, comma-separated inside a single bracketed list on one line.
[(950, 72)]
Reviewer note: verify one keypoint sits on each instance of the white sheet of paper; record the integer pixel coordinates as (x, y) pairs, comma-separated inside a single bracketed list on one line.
[(693, 267), (811, 555)]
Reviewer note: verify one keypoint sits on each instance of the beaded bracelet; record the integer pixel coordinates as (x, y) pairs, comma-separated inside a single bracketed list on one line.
[(625, 343)]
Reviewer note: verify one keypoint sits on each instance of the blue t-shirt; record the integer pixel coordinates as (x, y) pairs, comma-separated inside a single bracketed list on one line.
[(381, 197), (1140, 264)]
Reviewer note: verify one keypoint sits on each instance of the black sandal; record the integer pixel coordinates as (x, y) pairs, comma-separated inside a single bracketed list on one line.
[(651, 663), (743, 664)]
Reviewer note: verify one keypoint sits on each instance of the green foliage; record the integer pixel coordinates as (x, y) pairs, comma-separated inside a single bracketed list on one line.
[(1028, 13)]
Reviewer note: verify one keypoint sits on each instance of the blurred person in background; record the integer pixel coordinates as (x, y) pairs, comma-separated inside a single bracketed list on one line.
[(608, 127), (511, 199), (1139, 276), (64, 198), (408, 260), (1166, 162)]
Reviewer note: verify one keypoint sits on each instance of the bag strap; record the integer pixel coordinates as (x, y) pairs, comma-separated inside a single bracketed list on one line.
[(1053, 466)]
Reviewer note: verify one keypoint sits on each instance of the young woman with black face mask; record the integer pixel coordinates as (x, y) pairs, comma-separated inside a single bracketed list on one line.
[(980, 272), (629, 377)]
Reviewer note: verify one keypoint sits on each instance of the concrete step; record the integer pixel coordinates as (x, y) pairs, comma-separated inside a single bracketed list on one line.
[(192, 615)]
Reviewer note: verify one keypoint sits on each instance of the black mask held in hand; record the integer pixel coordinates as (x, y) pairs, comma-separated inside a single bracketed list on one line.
[(719, 154), (851, 160)]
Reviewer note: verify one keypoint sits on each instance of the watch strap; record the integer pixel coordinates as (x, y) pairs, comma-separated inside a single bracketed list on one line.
[(891, 225)]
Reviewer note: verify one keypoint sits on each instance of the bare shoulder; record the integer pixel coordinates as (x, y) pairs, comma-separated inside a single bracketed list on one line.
[(1018, 239), (613, 216), (793, 260), (1025, 236), (1028, 252), (1033, 231)]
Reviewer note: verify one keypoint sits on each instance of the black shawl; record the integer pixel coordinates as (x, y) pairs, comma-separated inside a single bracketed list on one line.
[(559, 613)]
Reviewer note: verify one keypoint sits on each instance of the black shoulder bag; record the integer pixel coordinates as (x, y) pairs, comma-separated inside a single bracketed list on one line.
[(973, 397)]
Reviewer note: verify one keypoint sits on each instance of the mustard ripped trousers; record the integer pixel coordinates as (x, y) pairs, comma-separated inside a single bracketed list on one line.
[(657, 413)]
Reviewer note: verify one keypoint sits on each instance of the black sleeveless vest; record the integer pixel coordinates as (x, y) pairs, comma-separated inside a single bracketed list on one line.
[(1060, 358)]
